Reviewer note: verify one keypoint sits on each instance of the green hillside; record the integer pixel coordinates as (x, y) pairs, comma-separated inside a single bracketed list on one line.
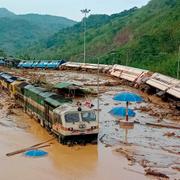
[(148, 38), (17, 32)]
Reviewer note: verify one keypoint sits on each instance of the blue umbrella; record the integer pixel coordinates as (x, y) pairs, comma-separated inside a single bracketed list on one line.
[(121, 111), (35, 153), (128, 97)]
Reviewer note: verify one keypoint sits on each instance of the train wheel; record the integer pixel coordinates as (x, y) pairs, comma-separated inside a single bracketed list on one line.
[(62, 140)]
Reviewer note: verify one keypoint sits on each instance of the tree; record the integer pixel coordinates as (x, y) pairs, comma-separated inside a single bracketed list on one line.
[(2, 53)]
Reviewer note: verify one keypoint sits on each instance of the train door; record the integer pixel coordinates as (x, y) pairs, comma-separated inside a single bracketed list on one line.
[(47, 117)]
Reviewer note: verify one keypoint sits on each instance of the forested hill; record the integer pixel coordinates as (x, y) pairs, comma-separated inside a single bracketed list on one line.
[(17, 32), (148, 38)]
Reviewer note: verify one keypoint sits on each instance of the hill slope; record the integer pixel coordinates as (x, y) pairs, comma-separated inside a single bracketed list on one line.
[(147, 38), (21, 31)]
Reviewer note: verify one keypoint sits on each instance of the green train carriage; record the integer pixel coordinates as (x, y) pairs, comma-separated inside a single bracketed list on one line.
[(56, 113)]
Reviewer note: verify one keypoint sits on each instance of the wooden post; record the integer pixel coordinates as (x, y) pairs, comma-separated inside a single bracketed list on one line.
[(127, 111)]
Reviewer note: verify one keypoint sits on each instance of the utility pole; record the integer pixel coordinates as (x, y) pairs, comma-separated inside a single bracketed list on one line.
[(178, 66), (85, 12), (98, 91)]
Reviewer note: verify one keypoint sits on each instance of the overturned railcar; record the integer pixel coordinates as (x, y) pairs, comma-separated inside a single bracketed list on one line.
[(166, 87)]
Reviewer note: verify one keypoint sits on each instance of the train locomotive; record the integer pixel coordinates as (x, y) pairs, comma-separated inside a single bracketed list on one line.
[(59, 115)]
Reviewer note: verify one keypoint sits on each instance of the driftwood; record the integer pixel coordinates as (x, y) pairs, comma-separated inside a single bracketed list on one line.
[(159, 125), (101, 138), (33, 147), (26, 149), (169, 134), (152, 172), (127, 154), (132, 170), (163, 125), (43, 142), (170, 151)]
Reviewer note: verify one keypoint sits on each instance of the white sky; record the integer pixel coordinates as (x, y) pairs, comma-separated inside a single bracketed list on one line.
[(69, 8)]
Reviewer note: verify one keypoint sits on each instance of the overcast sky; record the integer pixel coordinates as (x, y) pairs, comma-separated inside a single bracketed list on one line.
[(69, 8)]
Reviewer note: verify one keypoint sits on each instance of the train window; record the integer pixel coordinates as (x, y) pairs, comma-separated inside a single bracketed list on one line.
[(88, 116), (72, 117)]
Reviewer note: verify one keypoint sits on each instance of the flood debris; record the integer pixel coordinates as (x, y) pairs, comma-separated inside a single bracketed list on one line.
[(3, 124), (1, 106), (26, 149), (101, 138), (155, 172), (176, 168), (169, 134), (127, 154), (171, 151), (10, 112), (33, 147), (165, 125), (152, 148)]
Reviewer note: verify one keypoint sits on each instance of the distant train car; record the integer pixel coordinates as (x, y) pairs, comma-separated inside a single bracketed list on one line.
[(71, 66), (5, 81), (13, 85), (55, 64), (28, 64), (130, 74), (161, 81), (94, 67), (20, 65), (164, 84), (174, 91), (35, 64), (103, 68), (41, 64)]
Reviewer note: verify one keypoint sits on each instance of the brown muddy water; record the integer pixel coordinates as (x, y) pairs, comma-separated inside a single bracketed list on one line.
[(111, 158)]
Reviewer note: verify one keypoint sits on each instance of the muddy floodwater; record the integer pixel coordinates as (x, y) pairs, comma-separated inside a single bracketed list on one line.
[(119, 154)]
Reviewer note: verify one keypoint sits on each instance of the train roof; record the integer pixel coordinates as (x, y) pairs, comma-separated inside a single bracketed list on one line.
[(7, 77), (175, 91), (41, 63), (162, 82), (46, 94), (56, 100), (35, 89), (70, 108)]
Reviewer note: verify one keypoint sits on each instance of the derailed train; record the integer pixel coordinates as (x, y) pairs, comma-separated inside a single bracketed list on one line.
[(166, 87), (57, 114)]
